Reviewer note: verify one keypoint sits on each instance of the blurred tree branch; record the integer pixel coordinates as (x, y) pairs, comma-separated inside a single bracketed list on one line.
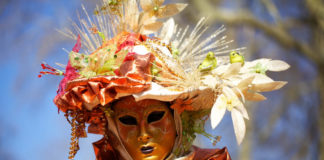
[(244, 16), (316, 7), (280, 32)]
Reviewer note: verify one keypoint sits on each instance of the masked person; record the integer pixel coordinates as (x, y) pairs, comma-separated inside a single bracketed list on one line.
[(149, 96)]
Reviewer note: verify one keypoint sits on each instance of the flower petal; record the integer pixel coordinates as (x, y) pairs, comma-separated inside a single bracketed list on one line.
[(167, 30), (159, 2), (263, 61), (245, 82), (210, 81), (170, 10), (277, 65), (239, 125), (266, 87), (230, 94), (151, 28), (239, 93), (220, 69), (146, 5), (253, 96), (261, 78), (132, 14), (240, 107), (218, 111), (232, 70)]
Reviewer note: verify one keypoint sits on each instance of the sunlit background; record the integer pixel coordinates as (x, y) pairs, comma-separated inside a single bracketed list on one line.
[(289, 125)]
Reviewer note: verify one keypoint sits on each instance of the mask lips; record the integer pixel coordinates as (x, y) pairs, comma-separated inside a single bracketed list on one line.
[(147, 149)]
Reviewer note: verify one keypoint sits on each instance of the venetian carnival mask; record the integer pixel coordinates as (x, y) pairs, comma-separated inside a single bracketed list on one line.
[(116, 55), (146, 128)]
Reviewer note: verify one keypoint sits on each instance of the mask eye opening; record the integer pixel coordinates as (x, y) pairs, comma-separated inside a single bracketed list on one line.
[(155, 116), (128, 120)]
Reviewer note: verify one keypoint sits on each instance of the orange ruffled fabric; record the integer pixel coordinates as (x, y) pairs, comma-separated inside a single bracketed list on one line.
[(211, 154), (132, 77), (105, 151), (100, 90)]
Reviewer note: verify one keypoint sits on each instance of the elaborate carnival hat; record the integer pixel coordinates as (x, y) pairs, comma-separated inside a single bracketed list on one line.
[(121, 57)]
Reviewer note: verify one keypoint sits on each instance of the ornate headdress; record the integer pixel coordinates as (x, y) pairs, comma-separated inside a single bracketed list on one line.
[(201, 77)]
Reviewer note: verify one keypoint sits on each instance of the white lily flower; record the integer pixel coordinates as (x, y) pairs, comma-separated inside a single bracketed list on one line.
[(262, 65), (229, 101), (250, 87), (228, 74), (210, 81)]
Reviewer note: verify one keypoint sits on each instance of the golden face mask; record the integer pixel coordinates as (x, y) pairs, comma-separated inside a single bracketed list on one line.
[(146, 128)]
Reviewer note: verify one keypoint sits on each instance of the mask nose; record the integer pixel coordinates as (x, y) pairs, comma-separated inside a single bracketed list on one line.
[(144, 137)]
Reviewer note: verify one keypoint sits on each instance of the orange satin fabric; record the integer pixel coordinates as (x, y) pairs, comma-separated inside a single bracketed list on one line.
[(211, 154), (199, 153), (133, 76)]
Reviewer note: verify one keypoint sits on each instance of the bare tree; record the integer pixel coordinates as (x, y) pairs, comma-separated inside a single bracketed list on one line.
[(280, 30)]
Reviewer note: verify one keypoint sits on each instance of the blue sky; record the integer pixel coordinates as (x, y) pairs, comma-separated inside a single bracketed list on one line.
[(31, 125)]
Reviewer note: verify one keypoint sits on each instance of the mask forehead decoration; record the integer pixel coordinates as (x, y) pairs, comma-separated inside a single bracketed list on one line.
[(116, 56)]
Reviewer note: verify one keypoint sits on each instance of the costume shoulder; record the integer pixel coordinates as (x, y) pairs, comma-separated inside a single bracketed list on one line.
[(211, 154), (104, 150)]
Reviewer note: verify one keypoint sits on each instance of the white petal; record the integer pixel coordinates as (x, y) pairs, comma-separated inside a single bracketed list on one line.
[(245, 82), (146, 4), (220, 69), (218, 111), (240, 107), (254, 96), (277, 65), (151, 28), (132, 14), (210, 81), (229, 93), (167, 30), (233, 70), (240, 93), (247, 68), (170, 9), (261, 78), (266, 87), (262, 61), (239, 125)]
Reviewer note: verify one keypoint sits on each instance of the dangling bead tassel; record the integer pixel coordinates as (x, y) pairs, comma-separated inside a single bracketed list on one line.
[(74, 145), (106, 113), (104, 129)]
